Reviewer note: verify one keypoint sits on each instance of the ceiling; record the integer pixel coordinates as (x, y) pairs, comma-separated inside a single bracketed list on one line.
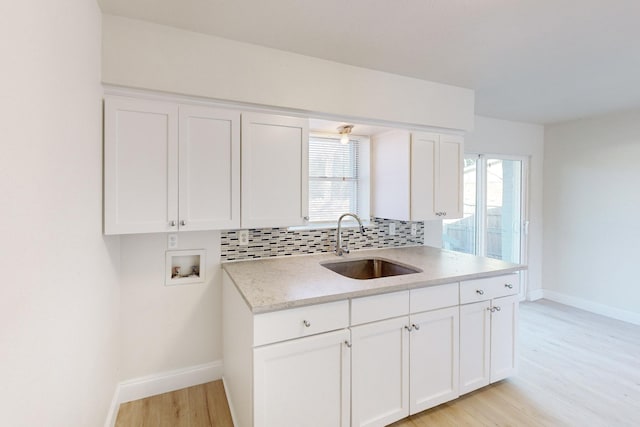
[(537, 61)]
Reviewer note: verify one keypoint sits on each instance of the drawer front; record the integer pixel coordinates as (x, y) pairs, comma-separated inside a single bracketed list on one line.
[(434, 297), (299, 322), (488, 288), (379, 307)]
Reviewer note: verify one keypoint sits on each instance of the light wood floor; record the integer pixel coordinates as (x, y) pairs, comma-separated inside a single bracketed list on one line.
[(200, 406), (575, 369)]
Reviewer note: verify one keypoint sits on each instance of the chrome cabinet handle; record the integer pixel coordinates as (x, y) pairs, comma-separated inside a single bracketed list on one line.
[(306, 218), (508, 285), (497, 308), (306, 323), (490, 309), (416, 327), (347, 343), (479, 291), (408, 328), (172, 223), (183, 223)]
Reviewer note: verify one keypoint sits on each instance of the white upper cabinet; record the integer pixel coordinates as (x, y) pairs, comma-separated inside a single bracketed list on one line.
[(417, 176), (170, 167), (209, 168), (140, 166), (449, 170), (275, 181)]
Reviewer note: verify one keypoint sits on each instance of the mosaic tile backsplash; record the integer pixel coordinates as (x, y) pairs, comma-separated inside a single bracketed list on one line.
[(270, 242)]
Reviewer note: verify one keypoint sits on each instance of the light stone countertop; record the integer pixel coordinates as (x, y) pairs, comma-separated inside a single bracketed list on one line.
[(270, 284)]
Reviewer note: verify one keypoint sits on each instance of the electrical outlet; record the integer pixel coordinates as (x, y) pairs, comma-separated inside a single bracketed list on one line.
[(414, 229), (392, 229), (243, 237), (172, 241)]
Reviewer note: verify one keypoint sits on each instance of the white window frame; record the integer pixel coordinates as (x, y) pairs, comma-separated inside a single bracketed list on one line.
[(364, 185)]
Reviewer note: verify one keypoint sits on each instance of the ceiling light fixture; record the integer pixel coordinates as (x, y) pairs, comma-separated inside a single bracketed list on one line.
[(344, 131)]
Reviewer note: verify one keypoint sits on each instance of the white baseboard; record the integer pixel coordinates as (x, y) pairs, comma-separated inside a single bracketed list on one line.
[(593, 307), (231, 408), (535, 294), (164, 382)]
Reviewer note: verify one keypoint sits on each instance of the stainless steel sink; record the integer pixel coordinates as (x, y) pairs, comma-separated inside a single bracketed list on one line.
[(369, 268)]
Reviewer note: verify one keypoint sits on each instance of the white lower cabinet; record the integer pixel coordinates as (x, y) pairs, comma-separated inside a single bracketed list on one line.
[(407, 364), (488, 332), (433, 358), (303, 382), (380, 372), (287, 368), (504, 325), (367, 361)]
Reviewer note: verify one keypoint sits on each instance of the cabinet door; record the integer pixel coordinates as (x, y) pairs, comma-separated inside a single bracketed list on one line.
[(449, 169), (380, 372), (209, 168), (504, 323), (140, 166), (391, 175), (434, 359), (303, 382), (475, 342), (275, 181), (424, 151)]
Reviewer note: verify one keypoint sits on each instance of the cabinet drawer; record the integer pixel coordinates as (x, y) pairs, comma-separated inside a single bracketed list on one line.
[(299, 322), (434, 297), (379, 307), (488, 288)]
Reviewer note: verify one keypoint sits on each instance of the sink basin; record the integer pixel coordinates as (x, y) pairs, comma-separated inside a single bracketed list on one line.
[(369, 268)]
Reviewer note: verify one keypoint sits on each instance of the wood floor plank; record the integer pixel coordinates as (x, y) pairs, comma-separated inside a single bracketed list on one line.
[(575, 369), (217, 405), (198, 415)]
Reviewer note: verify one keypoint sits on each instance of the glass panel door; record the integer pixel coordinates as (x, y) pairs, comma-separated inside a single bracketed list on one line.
[(504, 209), (493, 216)]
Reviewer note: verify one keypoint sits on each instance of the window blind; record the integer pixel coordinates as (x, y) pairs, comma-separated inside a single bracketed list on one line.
[(333, 178)]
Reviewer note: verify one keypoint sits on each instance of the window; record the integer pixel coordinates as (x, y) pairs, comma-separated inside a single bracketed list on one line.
[(338, 178)]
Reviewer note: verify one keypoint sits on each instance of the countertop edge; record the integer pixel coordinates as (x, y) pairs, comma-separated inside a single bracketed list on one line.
[(333, 297)]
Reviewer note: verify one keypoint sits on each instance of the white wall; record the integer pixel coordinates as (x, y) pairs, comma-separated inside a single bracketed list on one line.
[(59, 295), (165, 328), (150, 56), (493, 136), (591, 208)]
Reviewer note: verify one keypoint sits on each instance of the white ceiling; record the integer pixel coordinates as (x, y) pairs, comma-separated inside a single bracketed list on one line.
[(538, 61)]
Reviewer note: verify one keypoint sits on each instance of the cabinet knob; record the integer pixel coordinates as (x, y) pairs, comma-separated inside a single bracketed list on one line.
[(443, 213), (491, 309), (172, 223), (306, 218), (479, 291), (497, 308), (508, 285), (347, 343), (306, 323), (183, 223), (408, 328), (416, 327)]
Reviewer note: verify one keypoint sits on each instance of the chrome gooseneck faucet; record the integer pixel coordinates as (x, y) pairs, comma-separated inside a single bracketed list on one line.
[(339, 249)]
